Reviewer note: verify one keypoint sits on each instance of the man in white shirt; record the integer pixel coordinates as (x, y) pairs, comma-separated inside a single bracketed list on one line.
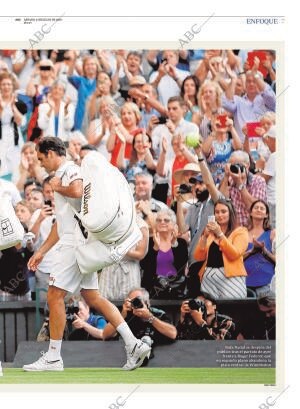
[(168, 79), (66, 276), (175, 125)]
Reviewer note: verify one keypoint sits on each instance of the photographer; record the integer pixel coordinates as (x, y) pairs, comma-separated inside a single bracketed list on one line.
[(199, 319), (86, 325), (150, 324), (241, 186)]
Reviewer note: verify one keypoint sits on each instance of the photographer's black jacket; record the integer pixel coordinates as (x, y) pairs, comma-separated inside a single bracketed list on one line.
[(222, 327), (141, 328)]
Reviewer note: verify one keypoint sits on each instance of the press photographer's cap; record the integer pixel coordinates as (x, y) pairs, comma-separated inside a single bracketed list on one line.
[(189, 167), (271, 132)]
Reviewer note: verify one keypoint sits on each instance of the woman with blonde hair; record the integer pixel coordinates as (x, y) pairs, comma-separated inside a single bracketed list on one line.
[(101, 126), (56, 115), (209, 101), (164, 266), (29, 167), (12, 118), (126, 127)]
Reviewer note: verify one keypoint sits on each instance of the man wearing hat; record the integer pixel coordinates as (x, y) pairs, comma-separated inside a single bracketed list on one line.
[(269, 173), (196, 219), (182, 177)]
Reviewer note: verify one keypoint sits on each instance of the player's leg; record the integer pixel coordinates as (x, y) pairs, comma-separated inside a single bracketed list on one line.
[(135, 348), (52, 361)]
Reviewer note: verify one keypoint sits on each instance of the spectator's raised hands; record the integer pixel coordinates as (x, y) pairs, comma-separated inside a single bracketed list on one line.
[(136, 93), (171, 126), (164, 144), (171, 70), (78, 322), (156, 239), (238, 178), (67, 103), (231, 74), (50, 101), (184, 309), (153, 122), (214, 227), (255, 64), (126, 307)]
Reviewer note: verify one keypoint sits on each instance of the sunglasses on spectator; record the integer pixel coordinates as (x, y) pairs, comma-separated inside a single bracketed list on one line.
[(67, 58), (163, 220), (45, 68)]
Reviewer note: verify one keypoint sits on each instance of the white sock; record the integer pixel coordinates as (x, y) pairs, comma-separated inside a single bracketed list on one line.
[(126, 333), (53, 353)]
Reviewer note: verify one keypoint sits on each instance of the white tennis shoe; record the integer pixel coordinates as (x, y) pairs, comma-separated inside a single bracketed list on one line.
[(136, 355), (43, 364)]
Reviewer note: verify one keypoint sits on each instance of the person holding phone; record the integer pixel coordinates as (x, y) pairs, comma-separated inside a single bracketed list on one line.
[(40, 225), (221, 248), (56, 115)]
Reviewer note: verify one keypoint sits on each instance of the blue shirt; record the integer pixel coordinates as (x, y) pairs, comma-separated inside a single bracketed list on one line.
[(260, 270), (97, 321), (245, 110), (56, 124), (85, 88)]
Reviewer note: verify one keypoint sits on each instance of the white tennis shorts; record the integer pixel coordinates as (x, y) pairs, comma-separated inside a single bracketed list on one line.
[(66, 274)]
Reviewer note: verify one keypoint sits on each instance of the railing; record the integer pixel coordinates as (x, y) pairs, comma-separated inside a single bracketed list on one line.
[(21, 320)]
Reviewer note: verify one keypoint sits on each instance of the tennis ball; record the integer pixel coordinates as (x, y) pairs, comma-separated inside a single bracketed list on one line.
[(192, 140)]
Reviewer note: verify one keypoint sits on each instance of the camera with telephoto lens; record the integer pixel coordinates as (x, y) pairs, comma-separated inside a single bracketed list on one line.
[(197, 305), (71, 310), (137, 303), (184, 189), (236, 167)]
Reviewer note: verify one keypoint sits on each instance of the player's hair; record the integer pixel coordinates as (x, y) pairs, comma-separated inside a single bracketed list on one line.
[(51, 143)]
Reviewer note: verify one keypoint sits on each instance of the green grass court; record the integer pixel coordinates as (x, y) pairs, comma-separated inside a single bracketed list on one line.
[(142, 376)]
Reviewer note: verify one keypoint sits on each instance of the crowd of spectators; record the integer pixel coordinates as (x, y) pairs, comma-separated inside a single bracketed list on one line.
[(196, 141)]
